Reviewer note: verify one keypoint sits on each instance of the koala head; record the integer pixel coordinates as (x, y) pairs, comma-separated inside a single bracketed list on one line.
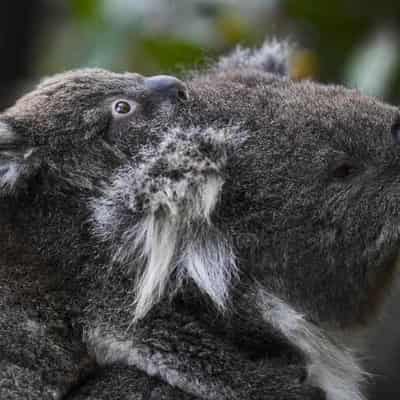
[(238, 178), (60, 142), (65, 112)]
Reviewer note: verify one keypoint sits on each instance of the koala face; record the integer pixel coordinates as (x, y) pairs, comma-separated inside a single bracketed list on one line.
[(322, 229), (81, 109), (60, 143), (237, 176)]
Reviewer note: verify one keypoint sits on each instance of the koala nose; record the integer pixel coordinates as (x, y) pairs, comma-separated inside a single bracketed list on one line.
[(167, 86)]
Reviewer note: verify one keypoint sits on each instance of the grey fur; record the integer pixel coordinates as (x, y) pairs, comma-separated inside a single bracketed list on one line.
[(272, 57), (223, 245), (331, 366), (176, 190)]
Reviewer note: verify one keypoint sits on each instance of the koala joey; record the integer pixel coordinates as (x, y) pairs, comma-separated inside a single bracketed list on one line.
[(227, 236)]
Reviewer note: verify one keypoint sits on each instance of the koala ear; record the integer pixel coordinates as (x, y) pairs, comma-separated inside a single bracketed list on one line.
[(14, 157), (272, 57)]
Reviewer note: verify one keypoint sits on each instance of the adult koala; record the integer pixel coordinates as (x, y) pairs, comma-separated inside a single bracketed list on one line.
[(223, 238)]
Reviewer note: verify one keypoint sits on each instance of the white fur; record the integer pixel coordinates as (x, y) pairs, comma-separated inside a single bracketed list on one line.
[(209, 195), (11, 161), (109, 350), (7, 135), (332, 367), (273, 57), (9, 173), (210, 264), (157, 240), (9, 169), (169, 197)]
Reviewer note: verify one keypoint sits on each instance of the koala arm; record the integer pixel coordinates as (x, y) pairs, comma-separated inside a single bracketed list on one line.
[(184, 353), (126, 383), (123, 383)]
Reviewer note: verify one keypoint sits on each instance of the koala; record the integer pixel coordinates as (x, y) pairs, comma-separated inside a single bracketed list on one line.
[(228, 235)]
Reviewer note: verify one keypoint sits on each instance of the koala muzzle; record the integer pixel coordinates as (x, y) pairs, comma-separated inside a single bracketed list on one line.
[(167, 87)]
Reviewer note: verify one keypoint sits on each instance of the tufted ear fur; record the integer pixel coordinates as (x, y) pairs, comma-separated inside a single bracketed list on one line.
[(171, 196), (14, 157), (271, 57)]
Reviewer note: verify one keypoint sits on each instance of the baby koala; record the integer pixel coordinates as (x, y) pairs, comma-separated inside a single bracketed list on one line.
[(223, 237)]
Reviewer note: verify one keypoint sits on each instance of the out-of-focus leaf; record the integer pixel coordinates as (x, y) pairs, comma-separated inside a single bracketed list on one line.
[(170, 53), (334, 28), (304, 65), (373, 65), (85, 9), (233, 28)]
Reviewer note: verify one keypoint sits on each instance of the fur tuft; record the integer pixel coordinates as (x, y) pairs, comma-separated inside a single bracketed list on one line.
[(171, 195), (209, 261), (156, 243), (12, 165), (331, 367), (7, 135), (272, 57), (9, 173)]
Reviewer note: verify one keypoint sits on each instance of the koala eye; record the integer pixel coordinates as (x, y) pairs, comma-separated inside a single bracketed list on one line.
[(396, 131), (123, 107), (344, 170)]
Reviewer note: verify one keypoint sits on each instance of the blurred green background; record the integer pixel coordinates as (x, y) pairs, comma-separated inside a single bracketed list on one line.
[(353, 42)]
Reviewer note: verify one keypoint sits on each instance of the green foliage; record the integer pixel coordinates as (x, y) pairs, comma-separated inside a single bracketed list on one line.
[(155, 36), (87, 10), (170, 53)]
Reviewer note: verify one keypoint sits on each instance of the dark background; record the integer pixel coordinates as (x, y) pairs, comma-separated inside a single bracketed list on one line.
[(352, 42)]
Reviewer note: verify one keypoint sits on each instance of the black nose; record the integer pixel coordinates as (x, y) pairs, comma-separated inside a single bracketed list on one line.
[(167, 86)]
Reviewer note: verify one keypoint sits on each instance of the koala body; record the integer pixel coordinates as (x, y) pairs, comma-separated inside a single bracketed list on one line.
[(225, 237)]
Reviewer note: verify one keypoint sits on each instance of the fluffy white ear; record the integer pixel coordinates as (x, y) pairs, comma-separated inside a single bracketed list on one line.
[(272, 57), (13, 159)]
